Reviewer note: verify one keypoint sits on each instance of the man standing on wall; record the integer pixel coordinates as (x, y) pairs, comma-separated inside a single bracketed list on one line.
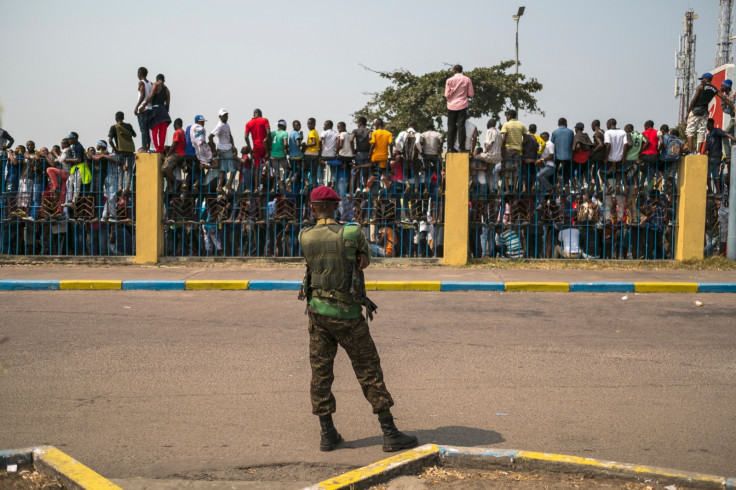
[(458, 88), (144, 109), (260, 130)]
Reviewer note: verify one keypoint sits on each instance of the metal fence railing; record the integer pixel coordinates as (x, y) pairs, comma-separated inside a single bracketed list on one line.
[(262, 212), (592, 210), (49, 208)]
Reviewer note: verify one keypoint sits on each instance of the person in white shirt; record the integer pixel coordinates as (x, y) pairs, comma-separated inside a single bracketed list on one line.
[(546, 164), (197, 134), (492, 152), (345, 155), (471, 137), (328, 151), (224, 151), (431, 143), (614, 140), (408, 145), (570, 239)]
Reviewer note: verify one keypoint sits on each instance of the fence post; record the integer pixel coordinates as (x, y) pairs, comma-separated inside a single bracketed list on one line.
[(457, 171), (149, 229), (692, 186)]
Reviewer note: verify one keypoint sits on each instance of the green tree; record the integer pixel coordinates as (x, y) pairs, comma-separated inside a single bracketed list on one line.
[(421, 98)]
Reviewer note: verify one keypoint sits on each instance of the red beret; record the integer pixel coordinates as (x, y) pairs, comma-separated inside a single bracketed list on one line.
[(323, 193)]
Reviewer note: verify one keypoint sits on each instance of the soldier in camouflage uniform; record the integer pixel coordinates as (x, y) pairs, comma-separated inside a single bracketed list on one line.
[(334, 288)]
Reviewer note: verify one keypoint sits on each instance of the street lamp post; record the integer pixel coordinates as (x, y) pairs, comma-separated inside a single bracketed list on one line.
[(731, 235), (516, 18)]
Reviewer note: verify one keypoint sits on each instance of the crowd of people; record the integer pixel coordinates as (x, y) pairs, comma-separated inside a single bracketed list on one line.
[(569, 193)]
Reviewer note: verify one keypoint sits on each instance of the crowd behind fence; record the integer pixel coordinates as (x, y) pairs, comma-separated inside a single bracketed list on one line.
[(54, 210), (593, 210)]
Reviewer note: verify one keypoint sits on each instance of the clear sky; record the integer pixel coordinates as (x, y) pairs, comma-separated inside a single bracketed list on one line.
[(70, 65)]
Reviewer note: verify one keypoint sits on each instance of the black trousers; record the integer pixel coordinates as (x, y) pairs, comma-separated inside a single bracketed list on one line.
[(456, 128)]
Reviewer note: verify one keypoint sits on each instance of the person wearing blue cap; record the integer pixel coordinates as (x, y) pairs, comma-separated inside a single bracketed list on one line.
[(198, 136), (697, 111)]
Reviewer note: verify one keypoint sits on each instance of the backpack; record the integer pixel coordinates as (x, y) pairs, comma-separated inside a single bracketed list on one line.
[(188, 147), (672, 146), (411, 154)]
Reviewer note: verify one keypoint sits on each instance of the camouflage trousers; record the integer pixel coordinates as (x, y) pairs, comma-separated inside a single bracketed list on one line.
[(325, 333)]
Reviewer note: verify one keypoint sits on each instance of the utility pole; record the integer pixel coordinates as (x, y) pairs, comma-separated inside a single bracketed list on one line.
[(685, 65), (516, 18)]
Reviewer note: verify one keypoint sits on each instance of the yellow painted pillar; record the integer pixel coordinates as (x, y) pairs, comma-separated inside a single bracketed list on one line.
[(456, 209), (149, 229), (691, 184)]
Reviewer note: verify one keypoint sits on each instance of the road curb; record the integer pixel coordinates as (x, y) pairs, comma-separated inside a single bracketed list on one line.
[(446, 286), (90, 284), (53, 463), (412, 462)]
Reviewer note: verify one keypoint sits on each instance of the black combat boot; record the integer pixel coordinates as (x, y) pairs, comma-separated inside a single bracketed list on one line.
[(393, 439), (330, 437)]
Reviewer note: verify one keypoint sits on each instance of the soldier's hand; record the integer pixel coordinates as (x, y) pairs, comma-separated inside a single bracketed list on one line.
[(362, 261)]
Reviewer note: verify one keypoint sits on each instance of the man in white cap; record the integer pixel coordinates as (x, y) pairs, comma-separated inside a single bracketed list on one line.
[(111, 179), (224, 151), (197, 135), (279, 146)]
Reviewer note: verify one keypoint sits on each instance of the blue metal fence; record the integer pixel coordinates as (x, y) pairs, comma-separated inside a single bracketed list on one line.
[(267, 205), (593, 210), (49, 208)]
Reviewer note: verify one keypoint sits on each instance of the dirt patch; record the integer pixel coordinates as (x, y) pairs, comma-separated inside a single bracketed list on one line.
[(274, 473), (27, 479), (438, 478)]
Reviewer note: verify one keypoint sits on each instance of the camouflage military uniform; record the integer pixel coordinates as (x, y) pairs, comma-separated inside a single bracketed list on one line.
[(334, 322)]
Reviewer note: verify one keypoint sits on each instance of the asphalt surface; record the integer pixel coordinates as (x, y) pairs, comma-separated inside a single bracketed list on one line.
[(212, 385)]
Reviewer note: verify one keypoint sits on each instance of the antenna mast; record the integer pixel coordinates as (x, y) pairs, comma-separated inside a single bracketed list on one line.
[(685, 65), (724, 53)]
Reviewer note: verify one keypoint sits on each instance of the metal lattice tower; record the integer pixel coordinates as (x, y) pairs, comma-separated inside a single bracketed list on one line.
[(685, 63), (724, 53)]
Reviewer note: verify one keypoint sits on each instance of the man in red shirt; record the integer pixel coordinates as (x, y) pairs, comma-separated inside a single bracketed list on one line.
[(259, 129), (176, 154), (457, 90), (649, 155)]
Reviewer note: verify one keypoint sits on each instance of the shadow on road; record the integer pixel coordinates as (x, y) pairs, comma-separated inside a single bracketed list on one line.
[(452, 435)]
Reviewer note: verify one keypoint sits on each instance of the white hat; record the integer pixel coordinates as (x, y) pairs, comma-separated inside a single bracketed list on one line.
[(222, 112)]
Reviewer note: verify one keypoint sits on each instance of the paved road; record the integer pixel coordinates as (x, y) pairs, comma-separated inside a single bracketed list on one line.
[(214, 384)]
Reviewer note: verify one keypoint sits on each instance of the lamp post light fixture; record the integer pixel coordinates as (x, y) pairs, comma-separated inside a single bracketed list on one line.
[(516, 18)]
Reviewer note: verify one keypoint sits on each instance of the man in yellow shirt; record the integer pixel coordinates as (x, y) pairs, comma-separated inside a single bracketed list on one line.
[(512, 135), (382, 144), (540, 141), (311, 155)]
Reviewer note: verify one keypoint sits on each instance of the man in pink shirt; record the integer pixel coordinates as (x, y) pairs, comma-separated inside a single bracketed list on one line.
[(457, 90)]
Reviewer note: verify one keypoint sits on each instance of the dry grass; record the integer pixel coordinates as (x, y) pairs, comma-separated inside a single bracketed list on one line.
[(709, 264)]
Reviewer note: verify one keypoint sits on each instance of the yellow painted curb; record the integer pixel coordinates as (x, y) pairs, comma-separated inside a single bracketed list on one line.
[(612, 465), (403, 285), (90, 284), (666, 287), (538, 286), (197, 285), (352, 477), (50, 461)]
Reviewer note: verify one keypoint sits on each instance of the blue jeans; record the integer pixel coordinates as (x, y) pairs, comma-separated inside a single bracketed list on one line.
[(144, 119), (543, 177), (125, 177), (36, 199), (13, 178)]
